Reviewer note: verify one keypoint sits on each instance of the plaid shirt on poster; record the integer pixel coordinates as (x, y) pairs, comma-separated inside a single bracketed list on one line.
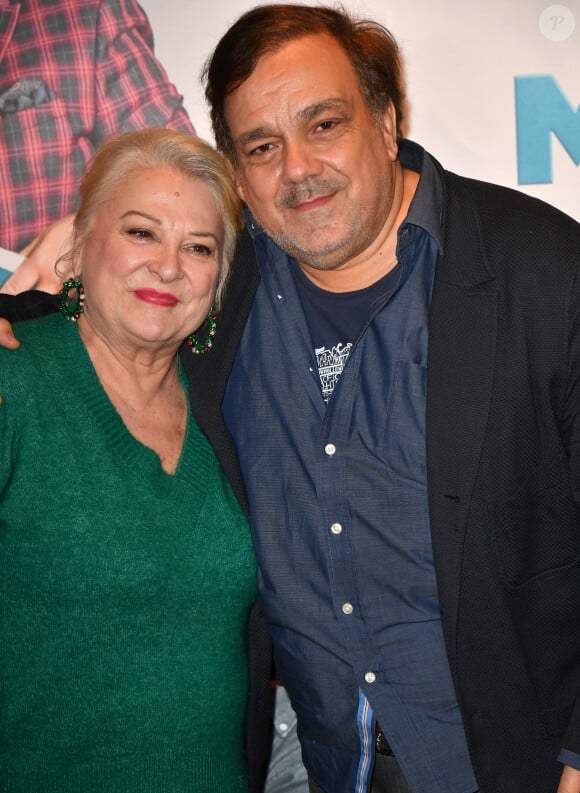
[(99, 77)]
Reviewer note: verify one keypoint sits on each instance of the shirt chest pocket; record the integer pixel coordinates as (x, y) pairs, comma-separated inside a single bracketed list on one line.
[(402, 440), (45, 151), (54, 127)]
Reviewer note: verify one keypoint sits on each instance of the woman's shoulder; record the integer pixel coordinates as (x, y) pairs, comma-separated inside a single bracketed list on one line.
[(43, 341), (34, 376)]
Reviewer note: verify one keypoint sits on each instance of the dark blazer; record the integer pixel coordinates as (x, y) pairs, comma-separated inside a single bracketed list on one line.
[(503, 457), (503, 460)]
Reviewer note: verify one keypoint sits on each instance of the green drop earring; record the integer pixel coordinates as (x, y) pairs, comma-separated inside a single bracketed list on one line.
[(199, 347), (72, 298)]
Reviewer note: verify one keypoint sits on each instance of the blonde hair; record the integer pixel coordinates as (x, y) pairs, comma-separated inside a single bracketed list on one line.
[(119, 158)]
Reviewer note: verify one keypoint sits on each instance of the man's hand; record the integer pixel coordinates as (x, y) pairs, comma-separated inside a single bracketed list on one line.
[(37, 270), (569, 781), (7, 338)]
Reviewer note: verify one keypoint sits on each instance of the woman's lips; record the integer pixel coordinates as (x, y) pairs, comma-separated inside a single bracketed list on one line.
[(156, 298)]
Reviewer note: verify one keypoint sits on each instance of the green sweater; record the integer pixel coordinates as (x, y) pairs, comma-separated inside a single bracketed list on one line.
[(124, 592)]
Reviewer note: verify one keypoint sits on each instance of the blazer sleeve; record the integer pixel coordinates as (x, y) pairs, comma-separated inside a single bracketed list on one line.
[(260, 707), (571, 437), (27, 305)]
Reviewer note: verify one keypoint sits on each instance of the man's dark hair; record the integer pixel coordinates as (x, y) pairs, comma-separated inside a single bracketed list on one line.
[(371, 48)]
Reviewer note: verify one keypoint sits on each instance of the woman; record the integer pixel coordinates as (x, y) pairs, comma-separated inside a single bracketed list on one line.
[(127, 572)]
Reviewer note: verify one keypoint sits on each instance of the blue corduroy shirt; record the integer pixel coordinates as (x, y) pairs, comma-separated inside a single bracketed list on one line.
[(338, 499)]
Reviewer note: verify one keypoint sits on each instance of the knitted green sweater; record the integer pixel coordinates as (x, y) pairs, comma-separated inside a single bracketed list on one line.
[(124, 592)]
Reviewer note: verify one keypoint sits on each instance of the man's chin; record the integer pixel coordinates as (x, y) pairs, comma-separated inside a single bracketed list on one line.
[(321, 254)]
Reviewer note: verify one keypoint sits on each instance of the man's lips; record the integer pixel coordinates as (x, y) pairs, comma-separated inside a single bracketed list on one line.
[(314, 203), (156, 298)]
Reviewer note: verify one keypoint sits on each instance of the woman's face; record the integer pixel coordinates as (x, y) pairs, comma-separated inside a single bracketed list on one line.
[(151, 260)]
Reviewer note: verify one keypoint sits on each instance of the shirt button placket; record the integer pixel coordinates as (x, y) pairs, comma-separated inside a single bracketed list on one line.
[(336, 528)]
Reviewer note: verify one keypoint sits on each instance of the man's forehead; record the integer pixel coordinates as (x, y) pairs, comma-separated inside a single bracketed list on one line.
[(303, 77), (310, 53)]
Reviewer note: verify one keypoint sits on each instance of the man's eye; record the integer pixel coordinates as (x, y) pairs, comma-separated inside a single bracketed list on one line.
[(262, 149), (326, 125)]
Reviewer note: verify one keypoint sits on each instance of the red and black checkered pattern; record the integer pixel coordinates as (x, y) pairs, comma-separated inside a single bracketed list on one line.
[(97, 59)]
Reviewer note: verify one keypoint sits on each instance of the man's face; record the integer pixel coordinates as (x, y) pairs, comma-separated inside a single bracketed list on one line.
[(313, 165)]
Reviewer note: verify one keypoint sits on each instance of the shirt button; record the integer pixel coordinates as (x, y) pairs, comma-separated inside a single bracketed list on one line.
[(330, 449), (347, 608), (370, 677), (336, 528)]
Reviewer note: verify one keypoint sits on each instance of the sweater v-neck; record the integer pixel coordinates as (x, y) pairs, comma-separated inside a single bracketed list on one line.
[(75, 371)]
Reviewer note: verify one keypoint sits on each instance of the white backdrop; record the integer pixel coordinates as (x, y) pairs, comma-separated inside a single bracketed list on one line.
[(462, 61)]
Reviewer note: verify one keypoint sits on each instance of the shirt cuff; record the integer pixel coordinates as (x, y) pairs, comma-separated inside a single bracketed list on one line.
[(567, 757)]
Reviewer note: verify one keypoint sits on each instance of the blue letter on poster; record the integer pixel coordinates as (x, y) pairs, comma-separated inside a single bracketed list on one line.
[(542, 108)]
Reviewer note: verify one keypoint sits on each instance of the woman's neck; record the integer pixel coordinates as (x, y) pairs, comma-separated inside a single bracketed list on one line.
[(145, 389)]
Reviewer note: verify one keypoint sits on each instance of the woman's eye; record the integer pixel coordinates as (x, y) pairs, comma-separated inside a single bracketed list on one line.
[(200, 249), (140, 234)]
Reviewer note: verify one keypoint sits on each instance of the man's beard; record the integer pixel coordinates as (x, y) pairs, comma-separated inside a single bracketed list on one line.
[(299, 193)]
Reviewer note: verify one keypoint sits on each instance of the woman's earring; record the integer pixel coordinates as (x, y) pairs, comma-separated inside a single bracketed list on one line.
[(199, 347), (72, 298)]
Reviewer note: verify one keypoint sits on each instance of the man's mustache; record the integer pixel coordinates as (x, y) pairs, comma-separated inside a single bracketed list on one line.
[(307, 190)]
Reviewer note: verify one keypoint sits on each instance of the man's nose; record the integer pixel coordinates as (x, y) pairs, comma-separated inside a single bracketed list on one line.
[(300, 161)]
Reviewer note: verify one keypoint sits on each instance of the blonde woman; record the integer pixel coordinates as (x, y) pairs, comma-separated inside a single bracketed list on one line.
[(127, 571)]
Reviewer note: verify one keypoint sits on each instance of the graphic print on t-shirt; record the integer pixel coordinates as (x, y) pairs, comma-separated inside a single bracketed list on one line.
[(331, 363)]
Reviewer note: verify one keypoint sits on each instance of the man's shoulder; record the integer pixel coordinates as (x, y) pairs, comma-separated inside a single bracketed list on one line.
[(235, 309), (497, 204), (494, 231), (244, 276)]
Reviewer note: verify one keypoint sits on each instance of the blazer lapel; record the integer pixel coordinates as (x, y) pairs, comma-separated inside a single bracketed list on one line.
[(462, 345)]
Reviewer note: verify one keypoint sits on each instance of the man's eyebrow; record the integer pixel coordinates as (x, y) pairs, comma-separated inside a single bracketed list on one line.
[(256, 134), (332, 103), (304, 114)]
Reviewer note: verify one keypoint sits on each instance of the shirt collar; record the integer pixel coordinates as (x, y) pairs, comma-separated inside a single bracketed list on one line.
[(426, 206)]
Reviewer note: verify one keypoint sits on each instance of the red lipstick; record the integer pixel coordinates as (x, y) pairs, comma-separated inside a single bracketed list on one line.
[(163, 299)]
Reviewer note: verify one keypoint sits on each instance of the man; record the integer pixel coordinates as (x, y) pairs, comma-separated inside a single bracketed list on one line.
[(398, 368), (72, 74), (419, 575)]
